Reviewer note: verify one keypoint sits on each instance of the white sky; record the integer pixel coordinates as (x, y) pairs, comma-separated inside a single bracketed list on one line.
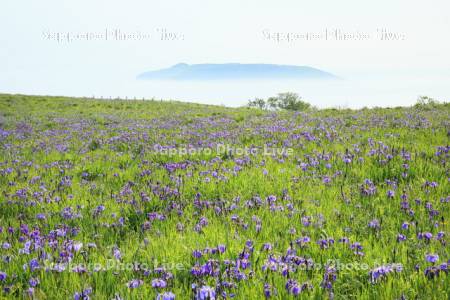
[(216, 32)]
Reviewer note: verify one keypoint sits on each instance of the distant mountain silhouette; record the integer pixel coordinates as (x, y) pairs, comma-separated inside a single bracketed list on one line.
[(235, 71)]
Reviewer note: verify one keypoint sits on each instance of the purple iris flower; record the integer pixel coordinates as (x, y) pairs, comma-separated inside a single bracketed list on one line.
[(401, 238), (267, 247), (267, 290), (166, 296), (159, 283), (432, 258), (33, 282), (197, 253), (84, 295), (34, 264), (375, 224), (77, 246), (135, 283), (117, 254), (205, 293), (221, 248)]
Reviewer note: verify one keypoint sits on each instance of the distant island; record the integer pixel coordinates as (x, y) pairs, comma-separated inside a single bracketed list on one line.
[(235, 71)]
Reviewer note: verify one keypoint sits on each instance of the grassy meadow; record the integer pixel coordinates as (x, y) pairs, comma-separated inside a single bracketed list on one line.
[(133, 199)]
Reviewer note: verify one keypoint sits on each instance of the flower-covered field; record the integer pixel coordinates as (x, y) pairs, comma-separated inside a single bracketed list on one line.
[(109, 199)]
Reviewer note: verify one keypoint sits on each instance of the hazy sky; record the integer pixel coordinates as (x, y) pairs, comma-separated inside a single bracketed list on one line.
[(33, 61)]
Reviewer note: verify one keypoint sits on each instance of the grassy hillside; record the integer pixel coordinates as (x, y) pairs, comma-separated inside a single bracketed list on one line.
[(99, 199)]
